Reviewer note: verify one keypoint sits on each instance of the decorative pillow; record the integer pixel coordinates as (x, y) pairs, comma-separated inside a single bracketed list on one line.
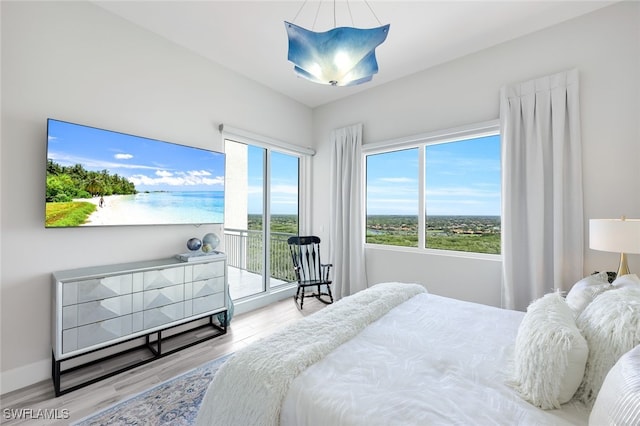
[(584, 291), (550, 353), (618, 402), (610, 274), (611, 325), (630, 280)]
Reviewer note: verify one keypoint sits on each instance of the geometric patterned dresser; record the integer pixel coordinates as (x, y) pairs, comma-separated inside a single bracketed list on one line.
[(95, 309)]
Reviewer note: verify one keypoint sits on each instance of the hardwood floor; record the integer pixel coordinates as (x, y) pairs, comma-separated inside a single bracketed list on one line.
[(244, 329)]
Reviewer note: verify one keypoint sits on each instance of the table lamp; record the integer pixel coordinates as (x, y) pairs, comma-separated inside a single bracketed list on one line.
[(616, 235)]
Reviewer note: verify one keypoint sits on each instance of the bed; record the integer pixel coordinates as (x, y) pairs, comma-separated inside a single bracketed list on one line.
[(390, 355)]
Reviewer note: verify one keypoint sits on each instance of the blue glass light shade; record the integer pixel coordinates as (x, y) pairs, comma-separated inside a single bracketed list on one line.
[(343, 56)]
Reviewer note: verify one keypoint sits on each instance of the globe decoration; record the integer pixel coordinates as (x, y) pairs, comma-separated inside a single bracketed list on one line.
[(210, 242), (194, 244)]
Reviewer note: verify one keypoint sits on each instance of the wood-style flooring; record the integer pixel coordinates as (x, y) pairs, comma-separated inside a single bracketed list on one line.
[(244, 329)]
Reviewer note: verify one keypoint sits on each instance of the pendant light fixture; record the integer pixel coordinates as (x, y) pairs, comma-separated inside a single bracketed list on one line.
[(342, 56)]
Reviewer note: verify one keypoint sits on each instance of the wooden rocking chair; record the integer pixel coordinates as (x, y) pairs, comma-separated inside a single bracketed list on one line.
[(310, 272)]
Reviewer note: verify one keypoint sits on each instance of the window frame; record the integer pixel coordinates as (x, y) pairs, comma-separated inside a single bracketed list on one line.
[(421, 141)]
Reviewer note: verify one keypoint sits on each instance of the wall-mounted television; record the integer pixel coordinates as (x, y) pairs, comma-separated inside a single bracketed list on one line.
[(98, 177)]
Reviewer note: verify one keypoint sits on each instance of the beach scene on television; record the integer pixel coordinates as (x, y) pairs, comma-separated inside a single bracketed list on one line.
[(98, 177)]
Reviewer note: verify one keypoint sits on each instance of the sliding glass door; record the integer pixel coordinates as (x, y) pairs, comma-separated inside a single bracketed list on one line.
[(262, 211), (283, 214)]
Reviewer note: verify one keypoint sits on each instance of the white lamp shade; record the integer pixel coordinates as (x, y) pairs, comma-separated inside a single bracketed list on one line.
[(616, 235)]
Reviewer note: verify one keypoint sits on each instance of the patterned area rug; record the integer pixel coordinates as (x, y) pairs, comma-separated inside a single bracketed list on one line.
[(174, 402)]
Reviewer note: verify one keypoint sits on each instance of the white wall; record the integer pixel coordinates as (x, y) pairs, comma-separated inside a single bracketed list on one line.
[(604, 46), (74, 61)]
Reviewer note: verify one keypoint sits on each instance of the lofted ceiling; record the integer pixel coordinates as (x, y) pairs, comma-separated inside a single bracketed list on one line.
[(249, 37)]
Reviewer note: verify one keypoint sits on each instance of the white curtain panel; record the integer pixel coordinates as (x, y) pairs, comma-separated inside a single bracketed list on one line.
[(542, 212), (346, 248)]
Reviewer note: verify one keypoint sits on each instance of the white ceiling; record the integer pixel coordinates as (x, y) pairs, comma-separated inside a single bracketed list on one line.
[(249, 37)]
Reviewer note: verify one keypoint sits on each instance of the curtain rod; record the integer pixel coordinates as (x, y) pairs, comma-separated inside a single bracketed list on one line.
[(475, 129), (260, 140)]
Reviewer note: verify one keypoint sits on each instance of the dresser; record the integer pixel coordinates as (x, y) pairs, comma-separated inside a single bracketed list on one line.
[(104, 311)]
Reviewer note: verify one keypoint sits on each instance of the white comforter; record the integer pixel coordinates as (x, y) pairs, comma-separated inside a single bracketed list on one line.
[(430, 361), (249, 388)]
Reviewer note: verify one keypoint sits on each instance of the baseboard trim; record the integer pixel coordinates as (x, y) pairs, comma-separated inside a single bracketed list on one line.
[(262, 300), (24, 376)]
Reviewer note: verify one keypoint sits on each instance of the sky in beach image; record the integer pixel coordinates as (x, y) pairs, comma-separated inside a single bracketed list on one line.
[(149, 164), (461, 178)]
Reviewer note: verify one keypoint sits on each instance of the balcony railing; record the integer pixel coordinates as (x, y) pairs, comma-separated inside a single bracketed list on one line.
[(244, 251)]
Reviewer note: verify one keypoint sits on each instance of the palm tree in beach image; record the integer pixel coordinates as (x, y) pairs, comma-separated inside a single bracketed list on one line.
[(95, 186)]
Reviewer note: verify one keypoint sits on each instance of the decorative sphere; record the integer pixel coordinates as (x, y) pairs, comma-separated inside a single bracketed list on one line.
[(194, 244), (210, 242)]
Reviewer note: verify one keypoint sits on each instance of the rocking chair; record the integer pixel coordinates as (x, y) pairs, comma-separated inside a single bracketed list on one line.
[(310, 272)]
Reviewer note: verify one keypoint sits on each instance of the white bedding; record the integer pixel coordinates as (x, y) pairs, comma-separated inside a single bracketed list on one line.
[(250, 386), (429, 361)]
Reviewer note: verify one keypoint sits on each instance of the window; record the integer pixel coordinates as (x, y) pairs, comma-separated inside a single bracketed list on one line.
[(440, 191), (392, 198)]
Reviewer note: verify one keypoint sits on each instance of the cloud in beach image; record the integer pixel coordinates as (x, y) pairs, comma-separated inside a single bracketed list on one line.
[(178, 179)]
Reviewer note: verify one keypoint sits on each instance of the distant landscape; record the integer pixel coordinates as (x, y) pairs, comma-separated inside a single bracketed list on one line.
[(285, 223), (479, 234)]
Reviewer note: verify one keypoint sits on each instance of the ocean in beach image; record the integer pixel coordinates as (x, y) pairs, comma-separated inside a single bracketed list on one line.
[(145, 208)]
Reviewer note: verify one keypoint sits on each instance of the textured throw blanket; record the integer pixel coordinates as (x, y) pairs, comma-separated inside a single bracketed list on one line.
[(250, 387)]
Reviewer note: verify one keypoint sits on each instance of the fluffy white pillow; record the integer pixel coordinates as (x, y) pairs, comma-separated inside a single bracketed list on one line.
[(584, 291), (630, 280), (618, 402), (611, 325), (550, 353)]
